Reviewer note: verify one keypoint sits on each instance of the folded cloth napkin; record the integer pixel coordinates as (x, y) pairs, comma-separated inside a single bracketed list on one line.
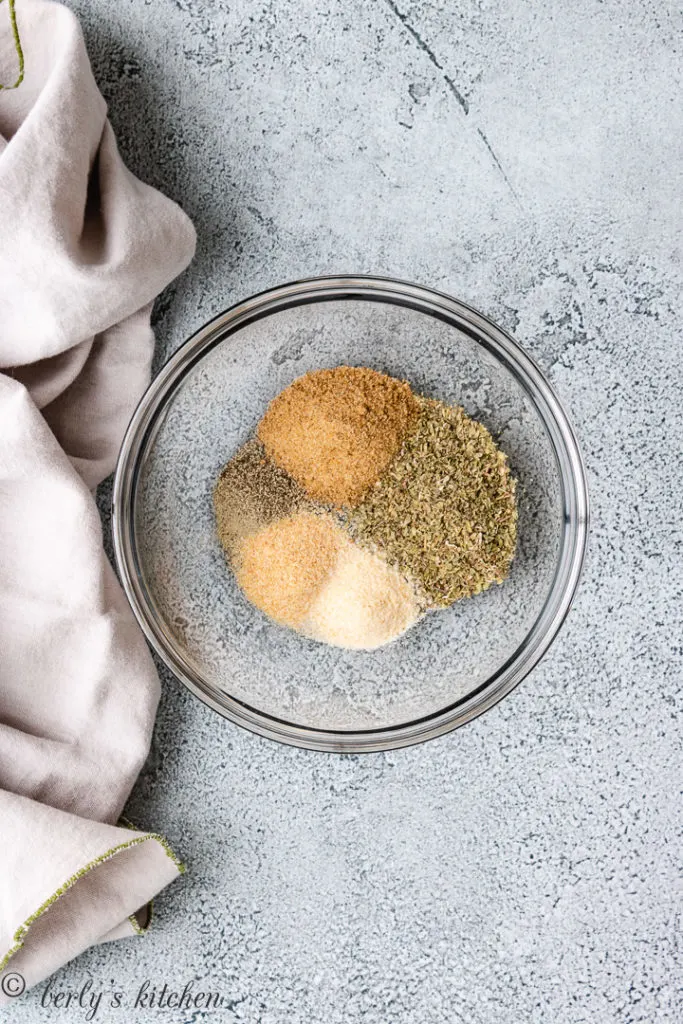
[(84, 249)]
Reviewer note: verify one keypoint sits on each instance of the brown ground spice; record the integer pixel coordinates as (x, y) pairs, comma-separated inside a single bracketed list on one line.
[(282, 568), (250, 493), (336, 431), (444, 513)]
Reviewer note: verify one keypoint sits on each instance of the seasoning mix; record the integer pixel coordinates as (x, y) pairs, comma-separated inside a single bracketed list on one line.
[(360, 506)]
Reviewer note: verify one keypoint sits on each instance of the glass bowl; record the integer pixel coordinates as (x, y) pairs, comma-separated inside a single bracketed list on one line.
[(207, 401)]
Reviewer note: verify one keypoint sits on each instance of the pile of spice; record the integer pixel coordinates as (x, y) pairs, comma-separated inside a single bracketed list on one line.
[(360, 506), (336, 431), (283, 567), (445, 512)]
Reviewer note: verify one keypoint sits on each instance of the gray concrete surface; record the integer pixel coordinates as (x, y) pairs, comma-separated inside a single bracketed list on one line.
[(527, 158)]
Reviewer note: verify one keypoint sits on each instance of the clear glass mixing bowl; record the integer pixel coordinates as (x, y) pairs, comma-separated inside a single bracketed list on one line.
[(206, 402)]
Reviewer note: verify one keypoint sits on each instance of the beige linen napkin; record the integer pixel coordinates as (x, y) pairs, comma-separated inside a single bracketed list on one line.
[(84, 249)]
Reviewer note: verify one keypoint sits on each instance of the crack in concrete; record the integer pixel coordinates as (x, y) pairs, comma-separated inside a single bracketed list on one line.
[(452, 87), (403, 18), (497, 163)]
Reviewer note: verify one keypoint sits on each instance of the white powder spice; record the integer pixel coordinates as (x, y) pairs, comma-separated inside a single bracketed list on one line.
[(363, 604)]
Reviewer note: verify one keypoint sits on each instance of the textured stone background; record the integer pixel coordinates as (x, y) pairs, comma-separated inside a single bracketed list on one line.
[(527, 158)]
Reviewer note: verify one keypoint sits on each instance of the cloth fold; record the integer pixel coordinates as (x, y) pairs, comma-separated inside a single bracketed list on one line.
[(84, 249)]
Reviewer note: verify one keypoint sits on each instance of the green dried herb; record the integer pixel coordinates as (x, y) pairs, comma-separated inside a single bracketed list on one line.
[(444, 512)]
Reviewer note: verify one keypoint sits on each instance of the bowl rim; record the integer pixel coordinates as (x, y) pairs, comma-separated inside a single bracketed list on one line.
[(147, 416)]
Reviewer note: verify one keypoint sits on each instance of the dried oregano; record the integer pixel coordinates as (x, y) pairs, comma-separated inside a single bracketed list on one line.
[(444, 512)]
